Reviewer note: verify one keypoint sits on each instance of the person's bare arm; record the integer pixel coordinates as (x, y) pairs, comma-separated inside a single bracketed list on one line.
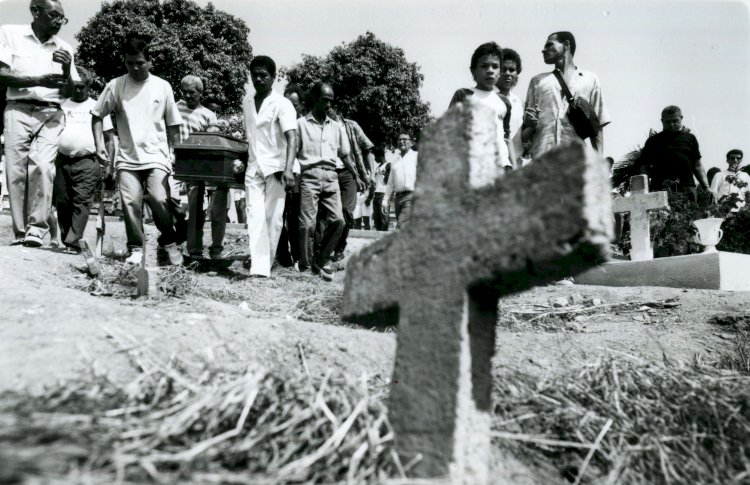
[(109, 143), (700, 174), (97, 126), (597, 142), (291, 152), (11, 80)]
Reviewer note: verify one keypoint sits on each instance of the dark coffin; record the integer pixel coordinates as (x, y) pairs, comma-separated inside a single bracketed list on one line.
[(208, 157)]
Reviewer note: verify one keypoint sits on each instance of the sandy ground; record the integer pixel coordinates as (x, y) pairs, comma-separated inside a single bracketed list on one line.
[(53, 329)]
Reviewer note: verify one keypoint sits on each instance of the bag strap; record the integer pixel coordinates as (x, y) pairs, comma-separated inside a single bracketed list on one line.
[(565, 90)]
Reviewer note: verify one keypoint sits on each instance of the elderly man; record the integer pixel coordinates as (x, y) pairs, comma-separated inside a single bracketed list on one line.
[(401, 181), (672, 157), (323, 145), (37, 68), (196, 117), (546, 120), (271, 123)]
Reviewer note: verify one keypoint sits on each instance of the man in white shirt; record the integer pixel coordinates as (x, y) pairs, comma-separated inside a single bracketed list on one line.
[(547, 107), (148, 123), (37, 68), (271, 123), (732, 181), (78, 173), (401, 181)]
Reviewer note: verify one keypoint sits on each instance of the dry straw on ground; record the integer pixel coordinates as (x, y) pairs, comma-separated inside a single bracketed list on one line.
[(626, 421), (255, 427)]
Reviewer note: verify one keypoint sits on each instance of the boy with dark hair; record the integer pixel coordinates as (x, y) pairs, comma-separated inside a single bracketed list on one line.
[(148, 123), (485, 69)]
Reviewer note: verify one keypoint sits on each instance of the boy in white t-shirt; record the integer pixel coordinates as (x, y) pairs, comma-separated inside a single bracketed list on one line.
[(148, 123), (485, 68), (78, 173)]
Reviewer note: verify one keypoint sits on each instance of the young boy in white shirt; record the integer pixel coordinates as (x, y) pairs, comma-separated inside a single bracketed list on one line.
[(148, 123)]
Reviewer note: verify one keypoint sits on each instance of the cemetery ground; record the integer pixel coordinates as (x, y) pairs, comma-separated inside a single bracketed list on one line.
[(225, 378)]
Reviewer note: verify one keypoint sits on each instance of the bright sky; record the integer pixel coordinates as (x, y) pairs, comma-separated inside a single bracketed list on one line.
[(647, 54)]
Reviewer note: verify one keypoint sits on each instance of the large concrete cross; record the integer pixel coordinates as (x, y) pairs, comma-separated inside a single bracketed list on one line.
[(637, 205), (473, 237)]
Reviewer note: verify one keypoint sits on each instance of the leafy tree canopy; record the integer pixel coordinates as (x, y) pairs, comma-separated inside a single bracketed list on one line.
[(373, 84), (186, 39)]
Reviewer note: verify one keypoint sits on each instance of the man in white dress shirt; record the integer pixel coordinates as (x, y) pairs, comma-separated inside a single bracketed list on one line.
[(271, 123), (37, 68), (401, 180)]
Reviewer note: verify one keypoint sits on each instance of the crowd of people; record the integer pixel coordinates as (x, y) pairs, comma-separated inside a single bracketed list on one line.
[(311, 175)]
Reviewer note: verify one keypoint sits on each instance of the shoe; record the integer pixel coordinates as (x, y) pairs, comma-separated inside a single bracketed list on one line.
[(337, 256), (325, 271), (31, 241), (17, 241), (135, 258), (216, 253), (175, 256)]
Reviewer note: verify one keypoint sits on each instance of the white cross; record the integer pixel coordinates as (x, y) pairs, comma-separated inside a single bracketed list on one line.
[(637, 205)]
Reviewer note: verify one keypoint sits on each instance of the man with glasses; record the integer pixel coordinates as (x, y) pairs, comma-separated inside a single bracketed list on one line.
[(401, 181), (37, 68)]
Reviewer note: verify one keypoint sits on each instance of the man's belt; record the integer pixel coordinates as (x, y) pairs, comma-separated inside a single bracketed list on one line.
[(324, 166), (35, 102)]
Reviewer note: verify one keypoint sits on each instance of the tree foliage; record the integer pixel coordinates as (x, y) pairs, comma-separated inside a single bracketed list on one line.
[(186, 39), (373, 84)]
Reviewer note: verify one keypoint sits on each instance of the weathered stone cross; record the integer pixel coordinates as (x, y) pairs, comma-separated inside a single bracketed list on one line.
[(474, 236), (638, 204)]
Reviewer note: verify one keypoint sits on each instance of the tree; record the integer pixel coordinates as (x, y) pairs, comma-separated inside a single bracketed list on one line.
[(374, 85), (186, 39)]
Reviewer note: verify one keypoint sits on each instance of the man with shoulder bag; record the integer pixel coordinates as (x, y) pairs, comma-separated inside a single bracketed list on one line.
[(566, 104)]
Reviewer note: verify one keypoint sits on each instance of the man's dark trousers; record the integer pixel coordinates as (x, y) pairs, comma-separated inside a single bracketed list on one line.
[(287, 252), (76, 182), (319, 188), (348, 187), (380, 219)]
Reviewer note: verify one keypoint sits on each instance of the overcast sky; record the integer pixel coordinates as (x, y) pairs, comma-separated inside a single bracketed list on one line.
[(647, 54)]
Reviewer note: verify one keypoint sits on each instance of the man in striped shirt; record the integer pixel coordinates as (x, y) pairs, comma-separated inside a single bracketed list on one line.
[(196, 117)]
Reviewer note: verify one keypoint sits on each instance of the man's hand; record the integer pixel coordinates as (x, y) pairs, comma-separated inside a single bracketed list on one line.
[(531, 117), (361, 185), (384, 210), (102, 156), (61, 56), (238, 166), (52, 81), (287, 178)]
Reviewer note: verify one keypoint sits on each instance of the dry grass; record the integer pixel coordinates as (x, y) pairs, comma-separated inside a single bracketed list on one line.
[(554, 318), (254, 427), (286, 293), (627, 421)]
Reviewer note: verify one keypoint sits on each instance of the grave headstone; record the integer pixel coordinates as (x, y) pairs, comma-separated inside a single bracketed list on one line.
[(474, 237), (148, 272), (637, 205)]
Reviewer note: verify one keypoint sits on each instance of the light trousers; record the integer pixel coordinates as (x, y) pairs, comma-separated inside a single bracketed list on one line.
[(264, 198), (31, 137)]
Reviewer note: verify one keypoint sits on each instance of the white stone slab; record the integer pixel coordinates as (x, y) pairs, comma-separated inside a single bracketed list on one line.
[(716, 271)]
